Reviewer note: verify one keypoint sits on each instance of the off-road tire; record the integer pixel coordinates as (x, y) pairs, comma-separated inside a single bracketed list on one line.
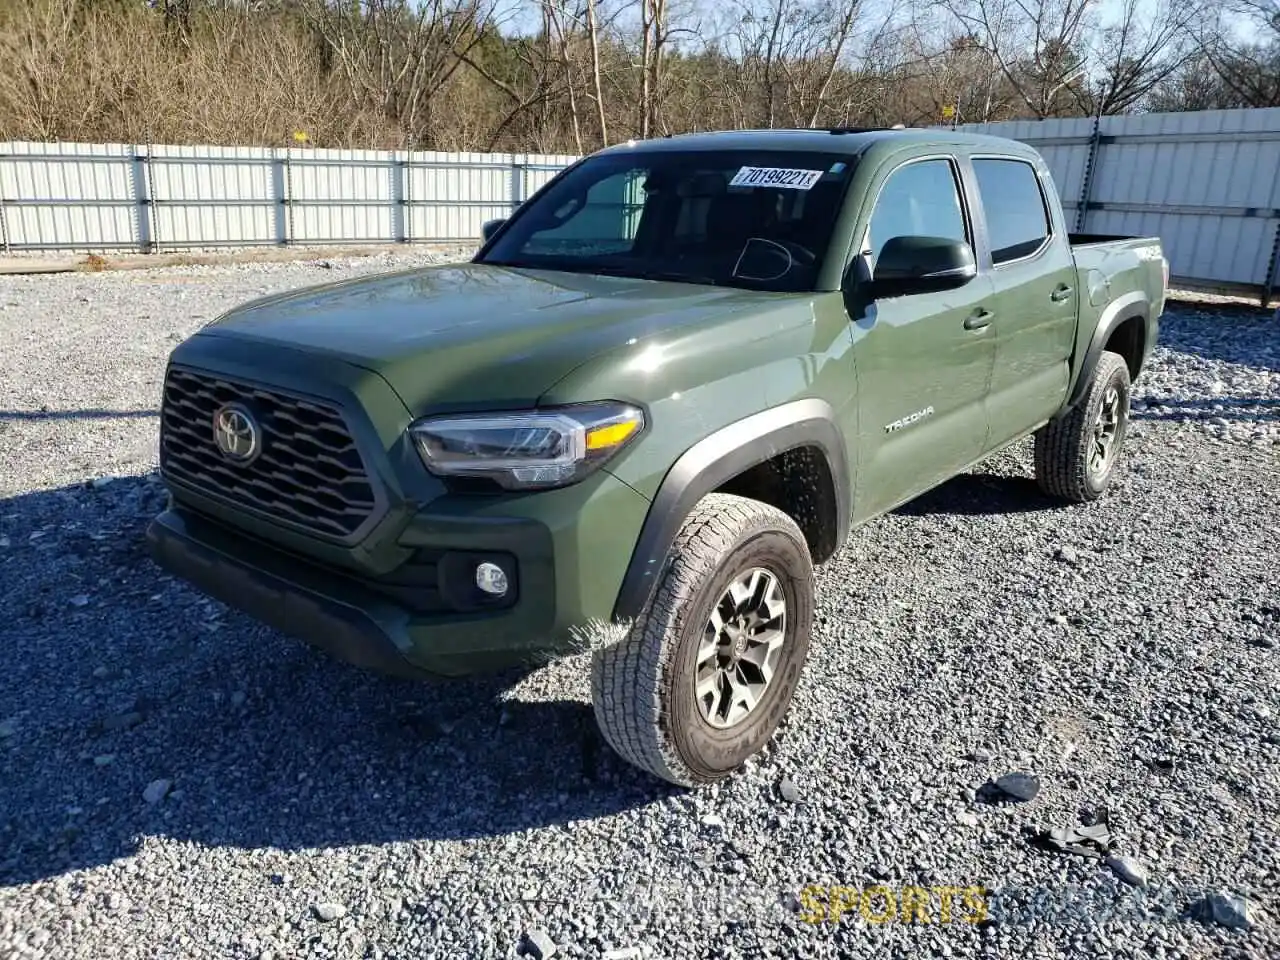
[(1064, 446), (642, 687)]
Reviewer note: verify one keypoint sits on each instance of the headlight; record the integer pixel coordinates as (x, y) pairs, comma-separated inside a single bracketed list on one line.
[(520, 451)]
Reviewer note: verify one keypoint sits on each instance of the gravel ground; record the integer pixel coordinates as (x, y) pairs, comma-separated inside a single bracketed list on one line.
[(177, 781)]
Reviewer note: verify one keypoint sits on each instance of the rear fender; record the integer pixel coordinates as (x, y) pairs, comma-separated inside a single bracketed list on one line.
[(1126, 307)]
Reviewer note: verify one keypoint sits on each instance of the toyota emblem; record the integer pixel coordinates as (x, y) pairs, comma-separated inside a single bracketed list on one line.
[(236, 433)]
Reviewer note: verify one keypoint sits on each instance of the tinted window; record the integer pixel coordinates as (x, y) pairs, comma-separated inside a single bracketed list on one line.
[(759, 219), (918, 200), (1016, 219), (604, 221)]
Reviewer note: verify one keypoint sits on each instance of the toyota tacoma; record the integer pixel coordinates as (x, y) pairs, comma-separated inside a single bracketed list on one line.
[(662, 391)]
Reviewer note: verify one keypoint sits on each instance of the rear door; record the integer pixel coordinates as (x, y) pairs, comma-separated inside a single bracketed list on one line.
[(923, 362), (1033, 274)]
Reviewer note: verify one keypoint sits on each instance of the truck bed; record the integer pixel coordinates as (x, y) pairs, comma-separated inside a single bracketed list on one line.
[(1093, 239)]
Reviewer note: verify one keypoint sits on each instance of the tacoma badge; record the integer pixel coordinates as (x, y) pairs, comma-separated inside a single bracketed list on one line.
[(908, 420)]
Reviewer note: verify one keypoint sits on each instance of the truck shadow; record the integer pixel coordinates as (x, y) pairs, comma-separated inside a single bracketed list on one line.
[(980, 494), (117, 676)]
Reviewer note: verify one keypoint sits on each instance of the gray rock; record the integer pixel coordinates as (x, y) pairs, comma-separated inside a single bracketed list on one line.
[(122, 721), (104, 759), (968, 818), (981, 755), (538, 945), (1019, 786), (101, 673), (327, 912), (1066, 555), (7, 729), (1229, 910), (79, 600), (38, 938), (1129, 870), (788, 790), (157, 790), (623, 953)]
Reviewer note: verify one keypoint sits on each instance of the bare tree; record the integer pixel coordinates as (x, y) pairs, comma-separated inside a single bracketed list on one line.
[(398, 55), (1137, 53), (593, 33), (1248, 69), (569, 75), (1037, 44)]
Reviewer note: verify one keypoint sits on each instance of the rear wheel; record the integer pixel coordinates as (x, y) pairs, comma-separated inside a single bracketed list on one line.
[(707, 672), (1076, 455)]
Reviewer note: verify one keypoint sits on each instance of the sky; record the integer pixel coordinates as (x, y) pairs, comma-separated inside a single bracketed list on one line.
[(521, 17)]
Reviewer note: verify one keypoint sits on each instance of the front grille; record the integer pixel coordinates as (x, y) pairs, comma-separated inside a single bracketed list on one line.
[(309, 471)]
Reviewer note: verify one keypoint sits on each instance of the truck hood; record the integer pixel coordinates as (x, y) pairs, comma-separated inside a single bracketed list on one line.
[(474, 335)]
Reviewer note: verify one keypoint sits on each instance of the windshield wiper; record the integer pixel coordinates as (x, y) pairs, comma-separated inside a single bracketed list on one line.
[(668, 275), (605, 270)]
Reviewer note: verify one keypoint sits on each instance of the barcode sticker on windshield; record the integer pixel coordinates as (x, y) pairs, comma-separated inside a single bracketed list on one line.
[(775, 177)]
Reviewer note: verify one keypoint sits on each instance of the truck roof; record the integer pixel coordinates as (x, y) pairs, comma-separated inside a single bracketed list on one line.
[(853, 140)]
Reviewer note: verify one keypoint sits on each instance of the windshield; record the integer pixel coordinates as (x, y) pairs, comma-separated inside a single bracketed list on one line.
[(749, 218)]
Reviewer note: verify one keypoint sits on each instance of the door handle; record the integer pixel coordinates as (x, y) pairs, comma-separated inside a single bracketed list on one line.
[(1062, 292), (978, 319)]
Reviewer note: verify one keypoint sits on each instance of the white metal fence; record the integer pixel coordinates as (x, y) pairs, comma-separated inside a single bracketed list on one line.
[(74, 196), (1208, 184)]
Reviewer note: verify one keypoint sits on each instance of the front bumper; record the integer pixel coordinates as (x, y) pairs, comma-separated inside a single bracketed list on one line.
[(567, 562), (397, 594)]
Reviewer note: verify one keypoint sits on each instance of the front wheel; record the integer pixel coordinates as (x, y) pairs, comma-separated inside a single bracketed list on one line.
[(1076, 455), (707, 672)]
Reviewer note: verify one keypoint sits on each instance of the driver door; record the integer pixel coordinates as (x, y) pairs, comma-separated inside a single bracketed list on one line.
[(924, 361)]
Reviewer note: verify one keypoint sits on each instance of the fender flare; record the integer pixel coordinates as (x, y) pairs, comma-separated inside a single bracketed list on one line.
[(712, 461), (1131, 306)]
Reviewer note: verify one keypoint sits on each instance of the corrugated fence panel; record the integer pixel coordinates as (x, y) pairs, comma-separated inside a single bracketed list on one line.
[(1208, 184), (452, 194), (206, 196), (1189, 170), (344, 195), (69, 194)]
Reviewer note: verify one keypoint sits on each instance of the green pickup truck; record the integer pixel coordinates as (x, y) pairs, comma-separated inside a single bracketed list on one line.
[(666, 387)]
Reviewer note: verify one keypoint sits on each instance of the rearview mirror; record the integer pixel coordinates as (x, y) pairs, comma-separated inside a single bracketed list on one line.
[(909, 265), (489, 228)]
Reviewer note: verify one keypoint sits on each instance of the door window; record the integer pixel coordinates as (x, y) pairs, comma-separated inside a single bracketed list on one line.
[(1017, 221), (920, 199)]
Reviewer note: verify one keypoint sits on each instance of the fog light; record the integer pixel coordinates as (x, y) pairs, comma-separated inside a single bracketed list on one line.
[(491, 578)]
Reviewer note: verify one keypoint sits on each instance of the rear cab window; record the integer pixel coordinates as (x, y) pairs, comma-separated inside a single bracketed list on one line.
[(1013, 201)]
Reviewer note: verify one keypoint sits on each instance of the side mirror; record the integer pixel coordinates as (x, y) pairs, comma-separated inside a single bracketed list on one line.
[(489, 228), (909, 265)]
